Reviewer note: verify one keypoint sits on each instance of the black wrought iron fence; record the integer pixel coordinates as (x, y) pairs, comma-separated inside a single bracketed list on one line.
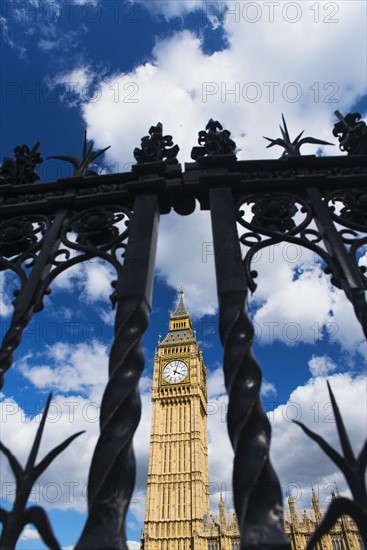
[(115, 218)]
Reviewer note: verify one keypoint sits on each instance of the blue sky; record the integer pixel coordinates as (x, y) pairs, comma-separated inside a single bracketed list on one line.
[(116, 68)]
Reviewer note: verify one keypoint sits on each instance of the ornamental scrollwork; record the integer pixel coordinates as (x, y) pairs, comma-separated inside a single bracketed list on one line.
[(271, 218), (95, 232), (275, 213), (353, 213), (21, 239)]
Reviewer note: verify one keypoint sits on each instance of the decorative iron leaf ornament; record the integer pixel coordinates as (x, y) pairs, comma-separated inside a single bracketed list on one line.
[(275, 212), (156, 147), (20, 516), (214, 141), (354, 472), (292, 148), (81, 165), (22, 169), (352, 133)]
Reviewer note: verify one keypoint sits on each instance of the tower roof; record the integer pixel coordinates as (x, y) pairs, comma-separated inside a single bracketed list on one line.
[(180, 310), (180, 326)]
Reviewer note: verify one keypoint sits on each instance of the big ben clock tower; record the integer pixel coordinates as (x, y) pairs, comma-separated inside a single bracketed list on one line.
[(178, 488)]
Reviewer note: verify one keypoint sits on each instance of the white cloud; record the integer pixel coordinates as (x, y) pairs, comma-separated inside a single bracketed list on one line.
[(75, 368), (321, 365), (133, 545), (216, 383), (267, 388), (92, 278), (343, 325), (205, 91), (292, 289), (80, 75), (29, 534), (66, 41), (98, 283), (108, 317), (185, 255), (169, 9), (295, 301), (5, 302), (39, 19), (10, 40), (73, 86)]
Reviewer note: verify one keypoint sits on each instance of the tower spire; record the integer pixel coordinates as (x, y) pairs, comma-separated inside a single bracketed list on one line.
[(292, 510), (316, 506), (221, 512), (180, 310)]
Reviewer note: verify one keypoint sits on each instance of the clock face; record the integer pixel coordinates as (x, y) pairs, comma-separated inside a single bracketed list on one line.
[(175, 371)]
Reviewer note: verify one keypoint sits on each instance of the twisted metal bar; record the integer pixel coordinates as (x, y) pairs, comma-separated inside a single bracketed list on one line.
[(257, 492), (112, 473)]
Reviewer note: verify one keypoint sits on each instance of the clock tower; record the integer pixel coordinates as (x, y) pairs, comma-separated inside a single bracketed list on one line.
[(178, 486)]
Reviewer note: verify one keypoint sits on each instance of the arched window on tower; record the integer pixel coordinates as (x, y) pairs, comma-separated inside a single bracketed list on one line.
[(163, 511), (179, 419), (165, 460)]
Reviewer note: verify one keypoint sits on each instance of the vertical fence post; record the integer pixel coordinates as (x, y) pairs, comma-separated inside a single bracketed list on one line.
[(112, 473), (257, 492)]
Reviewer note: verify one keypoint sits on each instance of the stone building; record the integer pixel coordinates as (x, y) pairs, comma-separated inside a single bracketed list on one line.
[(299, 526), (177, 515)]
